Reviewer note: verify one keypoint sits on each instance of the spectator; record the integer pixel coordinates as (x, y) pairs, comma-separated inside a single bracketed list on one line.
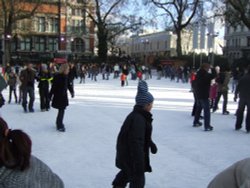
[(18, 168), (235, 176)]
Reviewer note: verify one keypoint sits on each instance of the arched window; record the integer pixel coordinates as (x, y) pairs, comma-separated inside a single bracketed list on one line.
[(78, 45)]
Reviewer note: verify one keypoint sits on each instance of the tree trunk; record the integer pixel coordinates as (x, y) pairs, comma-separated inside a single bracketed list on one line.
[(178, 43), (7, 46), (102, 46), (7, 42)]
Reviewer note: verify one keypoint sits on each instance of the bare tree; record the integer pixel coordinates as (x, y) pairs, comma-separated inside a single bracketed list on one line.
[(233, 11), (111, 22), (180, 12), (11, 12), (238, 11)]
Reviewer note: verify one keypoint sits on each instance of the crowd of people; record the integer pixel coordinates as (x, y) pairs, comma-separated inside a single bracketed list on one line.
[(134, 142)]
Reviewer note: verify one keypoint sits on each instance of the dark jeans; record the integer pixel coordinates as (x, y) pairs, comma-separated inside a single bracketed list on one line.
[(240, 113), (59, 118), (44, 98), (30, 91), (12, 90), (217, 100), (135, 181), (202, 104)]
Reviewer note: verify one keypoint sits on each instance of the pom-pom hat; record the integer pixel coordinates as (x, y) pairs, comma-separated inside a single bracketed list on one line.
[(143, 97)]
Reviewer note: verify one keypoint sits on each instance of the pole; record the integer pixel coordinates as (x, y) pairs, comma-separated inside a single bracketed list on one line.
[(59, 24), (194, 59), (200, 57)]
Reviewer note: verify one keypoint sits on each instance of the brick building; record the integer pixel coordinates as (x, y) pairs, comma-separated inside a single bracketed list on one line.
[(59, 28)]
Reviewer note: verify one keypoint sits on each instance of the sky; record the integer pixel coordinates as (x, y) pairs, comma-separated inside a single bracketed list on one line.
[(84, 156)]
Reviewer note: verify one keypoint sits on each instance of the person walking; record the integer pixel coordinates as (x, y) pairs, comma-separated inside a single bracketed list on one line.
[(203, 82), (222, 90), (18, 167), (58, 94), (27, 78), (134, 142), (44, 78), (243, 93)]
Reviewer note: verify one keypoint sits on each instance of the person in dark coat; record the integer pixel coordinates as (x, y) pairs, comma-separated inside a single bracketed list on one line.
[(27, 78), (44, 78), (203, 82), (12, 82), (222, 80), (71, 76), (58, 94), (243, 92), (134, 142)]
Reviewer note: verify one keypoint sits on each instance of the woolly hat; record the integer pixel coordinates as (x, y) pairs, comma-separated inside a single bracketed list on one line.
[(143, 97)]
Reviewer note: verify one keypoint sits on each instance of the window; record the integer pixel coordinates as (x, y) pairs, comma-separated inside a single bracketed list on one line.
[(53, 25), (77, 26), (25, 44), (41, 24), (77, 12), (78, 45), (52, 44), (39, 44), (24, 24)]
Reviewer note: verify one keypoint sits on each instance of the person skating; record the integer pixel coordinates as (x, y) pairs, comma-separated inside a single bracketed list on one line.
[(243, 92), (134, 142), (58, 94), (203, 82)]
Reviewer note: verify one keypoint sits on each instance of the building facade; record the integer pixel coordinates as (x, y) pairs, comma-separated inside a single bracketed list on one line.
[(237, 41), (59, 28), (148, 47)]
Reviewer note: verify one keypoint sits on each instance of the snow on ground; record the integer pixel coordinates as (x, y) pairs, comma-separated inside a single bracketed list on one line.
[(84, 156)]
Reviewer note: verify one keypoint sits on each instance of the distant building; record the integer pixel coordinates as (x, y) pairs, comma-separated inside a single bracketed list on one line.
[(237, 40), (58, 28), (160, 44)]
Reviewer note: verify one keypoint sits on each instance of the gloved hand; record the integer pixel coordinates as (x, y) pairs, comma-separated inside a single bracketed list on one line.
[(72, 95), (153, 148)]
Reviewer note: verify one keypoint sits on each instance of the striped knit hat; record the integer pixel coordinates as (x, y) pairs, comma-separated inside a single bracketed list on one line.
[(143, 97)]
